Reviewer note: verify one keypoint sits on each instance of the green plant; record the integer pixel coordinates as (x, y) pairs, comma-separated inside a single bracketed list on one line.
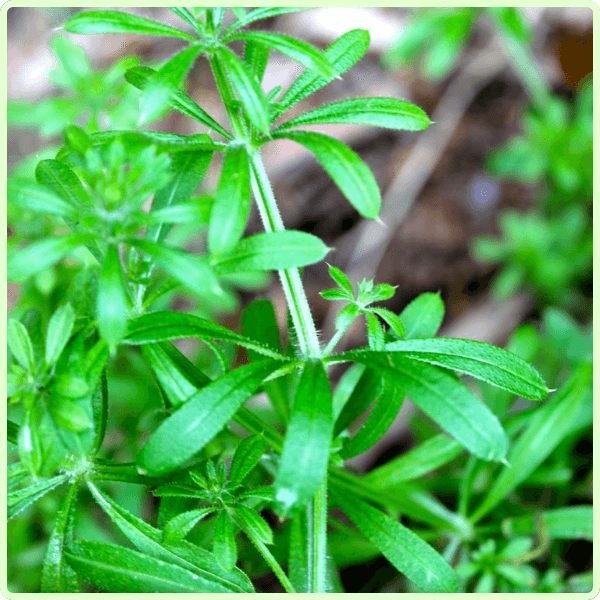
[(177, 434)]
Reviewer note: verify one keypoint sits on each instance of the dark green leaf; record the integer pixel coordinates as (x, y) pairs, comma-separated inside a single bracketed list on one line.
[(20, 499), (298, 559), (112, 304), (140, 77), (305, 453), (231, 207), (435, 452), (149, 540), (345, 167), (271, 251), (344, 53), (297, 50), (547, 428), (201, 418), (100, 411), (190, 270), (57, 575), (12, 432), (110, 21), (59, 332), (378, 422), (161, 326), (42, 254), (443, 398), (377, 112), (404, 549), (246, 457), (224, 546), (482, 361), (253, 524), (33, 196), (20, 345), (423, 316), (249, 92)]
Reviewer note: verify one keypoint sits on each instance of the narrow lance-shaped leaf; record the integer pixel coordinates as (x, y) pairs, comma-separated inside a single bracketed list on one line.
[(59, 332), (443, 398), (423, 316), (547, 428), (344, 53), (164, 142), (271, 252), (42, 254), (33, 196), (201, 418), (404, 549), (161, 326), (112, 305), (345, 167), (260, 13), (256, 57), (20, 499), (57, 575), (566, 523), (179, 526), (63, 181), (179, 100), (415, 463), (20, 345), (249, 92), (231, 207), (305, 453), (149, 540), (482, 361), (246, 457), (390, 113), (117, 569), (111, 21), (224, 546), (297, 50), (185, 15)]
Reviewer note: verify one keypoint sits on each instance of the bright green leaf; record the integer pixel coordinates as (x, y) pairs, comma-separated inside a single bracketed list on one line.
[(423, 316), (224, 546), (33, 196), (59, 332), (20, 345), (246, 457), (20, 499)]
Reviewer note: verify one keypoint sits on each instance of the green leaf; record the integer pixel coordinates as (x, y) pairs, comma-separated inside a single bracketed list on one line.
[(341, 279), (110, 21), (21, 499), (431, 454), (246, 457), (375, 332), (117, 569), (482, 361), (259, 14), (12, 431), (566, 523), (367, 390), (179, 100), (59, 332), (178, 527), (63, 181), (73, 60), (256, 58), (378, 422), (413, 557), (158, 91), (345, 317), (224, 546), (57, 575), (512, 21), (112, 304), (33, 196), (188, 170), (196, 211), (20, 345), (377, 112), (547, 428), (345, 167), (297, 50), (200, 419), (231, 207), (443, 398), (164, 142), (423, 316), (185, 15), (271, 251), (305, 453), (336, 295), (252, 524), (161, 326), (190, 270), (391, 319), (344, 53), (68, 414), (249, 92), (149, 540), (42, 254)]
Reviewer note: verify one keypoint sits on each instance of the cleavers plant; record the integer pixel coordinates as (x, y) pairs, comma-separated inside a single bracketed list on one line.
[(99, 184)]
